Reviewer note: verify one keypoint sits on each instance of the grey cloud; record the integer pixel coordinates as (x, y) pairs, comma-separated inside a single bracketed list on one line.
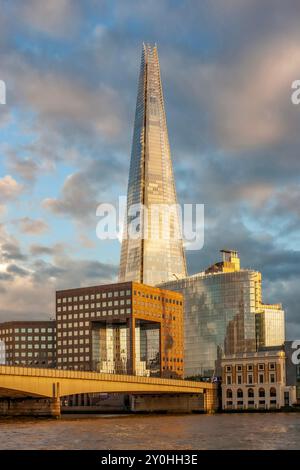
[(17, 270), (26, 168), (31, 226), (11, 251), (84, 190), (4, 276), (40, 250)]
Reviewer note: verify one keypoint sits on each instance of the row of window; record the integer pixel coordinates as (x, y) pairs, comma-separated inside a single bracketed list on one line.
[(26, 330), (75, 359), (158, 297), (30, 362), (110, 303), (33, 346), (73, 351), (27, 354), (73, 333), (30, 338), (251, 403), (99, 295), (250, 379), (75, 341), (250, 393), (75, 316), (250, 367)]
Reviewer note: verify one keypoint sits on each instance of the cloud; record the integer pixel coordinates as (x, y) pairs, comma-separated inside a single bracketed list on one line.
[(83, 191), (17, 270), (26, 168), (78, 199), (55, 96), (9, 188), (41, 250), (30, 226), (56, 18), (21, 288)]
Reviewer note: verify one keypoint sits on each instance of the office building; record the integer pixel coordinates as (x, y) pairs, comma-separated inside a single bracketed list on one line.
[(28, 343), (156, 254), (221, 304), (270, 326), (123, 328), (252, 381)]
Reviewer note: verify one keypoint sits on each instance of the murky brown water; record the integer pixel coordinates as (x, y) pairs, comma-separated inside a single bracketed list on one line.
[(244, 431)]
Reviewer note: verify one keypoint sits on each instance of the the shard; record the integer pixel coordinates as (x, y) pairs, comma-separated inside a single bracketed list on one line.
[(155, 256)]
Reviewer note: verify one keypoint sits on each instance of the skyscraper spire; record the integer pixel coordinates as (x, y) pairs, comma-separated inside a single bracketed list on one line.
[(151, 258)]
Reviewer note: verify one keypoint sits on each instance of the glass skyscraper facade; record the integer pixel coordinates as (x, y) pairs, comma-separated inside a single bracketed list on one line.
[(156, 254), (224, 314), (219, 318)]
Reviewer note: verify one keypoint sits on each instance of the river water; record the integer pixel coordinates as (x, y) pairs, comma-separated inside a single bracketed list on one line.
[(174, 432)]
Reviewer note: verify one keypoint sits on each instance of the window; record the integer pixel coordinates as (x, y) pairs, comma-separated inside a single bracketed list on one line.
[(250, 393), (229, 393), (239, 368), (228, 379), (261, 378), (240, 393), (239, 379), (272, 392), (272, 378), (261, 367), (228, 368), (250, 367), (261, 393), (250, 379), (272, 366)]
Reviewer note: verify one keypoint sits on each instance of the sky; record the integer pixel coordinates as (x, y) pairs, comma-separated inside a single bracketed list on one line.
[(71, 71)]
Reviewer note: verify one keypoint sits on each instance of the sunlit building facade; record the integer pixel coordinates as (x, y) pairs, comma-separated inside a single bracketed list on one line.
[(270, 326), (156, 254), (28, 343), (256, 381), (123, 328)]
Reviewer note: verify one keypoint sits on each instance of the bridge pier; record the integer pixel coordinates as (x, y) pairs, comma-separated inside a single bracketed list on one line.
[(211, 400), (29, 406), (164, 403), (206, 402)]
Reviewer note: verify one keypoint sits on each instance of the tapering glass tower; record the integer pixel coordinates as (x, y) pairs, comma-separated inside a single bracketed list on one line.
[(155, 256)]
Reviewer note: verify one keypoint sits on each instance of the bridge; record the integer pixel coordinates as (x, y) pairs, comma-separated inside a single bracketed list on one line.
[(47, 386)]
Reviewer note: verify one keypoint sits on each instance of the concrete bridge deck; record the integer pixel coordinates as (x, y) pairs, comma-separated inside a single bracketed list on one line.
[(18, 382)]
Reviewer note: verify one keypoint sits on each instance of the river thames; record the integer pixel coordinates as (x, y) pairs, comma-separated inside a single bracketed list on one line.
[(161, 432)]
